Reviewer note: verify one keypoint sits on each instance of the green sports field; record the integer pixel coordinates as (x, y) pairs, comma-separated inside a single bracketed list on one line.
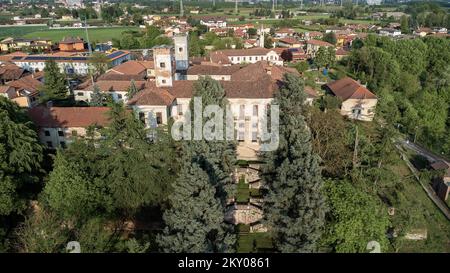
[(95, 34)]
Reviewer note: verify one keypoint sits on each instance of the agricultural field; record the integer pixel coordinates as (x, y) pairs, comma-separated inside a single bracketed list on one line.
[(95, 34), (19, 31)]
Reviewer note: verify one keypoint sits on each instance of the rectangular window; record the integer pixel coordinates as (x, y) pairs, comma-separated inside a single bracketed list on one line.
[(162, 64), (80, 94), (255, 110), (180, 109), (47, 133), (60, 133), (254, 136), (241, 136), (63, 144), (119, 96), (158, 118), (241, 111), (180, 49), (49, 144), (142, 117), (74, 132)]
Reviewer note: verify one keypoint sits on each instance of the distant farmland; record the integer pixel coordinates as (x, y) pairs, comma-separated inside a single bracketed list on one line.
[(19, 31), (95, 34)]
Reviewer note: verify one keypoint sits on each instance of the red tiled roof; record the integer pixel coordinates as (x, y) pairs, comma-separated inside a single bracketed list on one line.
[(341, 51), (151, 96), (219, 57), (318, 43), (256, 51), (212, 70), (132, 67), (289, 40), (106, 86), (347, 88), (26, 83), (64, 117), (4, 89), (10, 72)]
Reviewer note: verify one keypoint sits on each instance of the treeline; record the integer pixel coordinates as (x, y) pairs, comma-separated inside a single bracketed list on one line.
[(428, 14), (152, 36), (411, 80)]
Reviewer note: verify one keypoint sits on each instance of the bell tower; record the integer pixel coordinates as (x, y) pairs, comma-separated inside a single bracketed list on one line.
[(164, 65)]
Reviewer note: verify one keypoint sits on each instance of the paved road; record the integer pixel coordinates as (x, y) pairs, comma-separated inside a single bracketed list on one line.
[(432, 157)]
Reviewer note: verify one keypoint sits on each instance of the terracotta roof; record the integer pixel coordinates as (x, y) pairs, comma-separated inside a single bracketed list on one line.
[(106, 86), (347, 88), (212, 70), (258, 70), (342, 51), (256, 51), (10, 72), (112, 76), (219, 57), (315, 34), (64, 117), (132, 67), (262, 88), (289, 40), (151, 96), (9, 57), (26, 83), (4, 89), (71, 40), (318, 43)]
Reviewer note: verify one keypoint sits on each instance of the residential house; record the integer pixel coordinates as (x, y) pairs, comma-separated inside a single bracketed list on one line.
[(289, 42), (116, 89), (72, 44), (69, 64), (312, 46), (391, 32), (58, 126), (26, 90), (214, 22), (252, 55), (357, 101), (14, 44)]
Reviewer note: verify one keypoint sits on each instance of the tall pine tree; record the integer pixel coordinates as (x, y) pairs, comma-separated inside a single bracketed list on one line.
[(54, 87), (97, 97), (294, 207), (202, 189)]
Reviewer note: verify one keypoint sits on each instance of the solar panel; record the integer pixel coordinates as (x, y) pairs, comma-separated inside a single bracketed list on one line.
[(115, 54), (17, 57)]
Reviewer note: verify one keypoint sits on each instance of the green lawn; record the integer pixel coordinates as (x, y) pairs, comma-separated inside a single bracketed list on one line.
[(19, 31), (414, 207), (95, 34), (254, 242), (243, 193)]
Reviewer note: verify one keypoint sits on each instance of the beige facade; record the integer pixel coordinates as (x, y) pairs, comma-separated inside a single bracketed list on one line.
[(360, 109)]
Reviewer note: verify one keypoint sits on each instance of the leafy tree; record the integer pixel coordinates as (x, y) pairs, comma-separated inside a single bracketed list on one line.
[(95, 236), (356, 218), (330, 140), (97, 98), (330, 37), (73, 191), (20, 156), (132, 90), (404, 24), (294, 207), (133, 246), (99, 62), (268, 43), (42, 232), (322, 58), (302, 66), (54, 87)]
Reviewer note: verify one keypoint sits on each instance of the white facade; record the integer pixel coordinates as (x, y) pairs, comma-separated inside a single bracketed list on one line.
[(86, 95), (271, 57)]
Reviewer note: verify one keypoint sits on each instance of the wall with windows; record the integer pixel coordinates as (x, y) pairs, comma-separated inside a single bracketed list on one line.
[(359, 109), (271, 57), (53, 138), (86, 95)]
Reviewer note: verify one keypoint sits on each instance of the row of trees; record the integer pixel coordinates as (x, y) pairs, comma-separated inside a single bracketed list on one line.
[(410, 78)]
